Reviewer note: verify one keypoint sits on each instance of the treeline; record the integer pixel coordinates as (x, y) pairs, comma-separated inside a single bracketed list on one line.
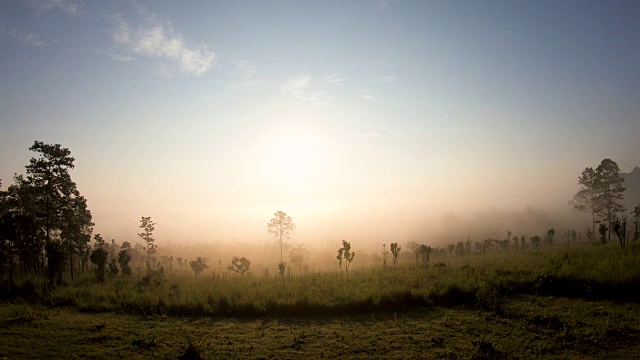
[(46, 227)]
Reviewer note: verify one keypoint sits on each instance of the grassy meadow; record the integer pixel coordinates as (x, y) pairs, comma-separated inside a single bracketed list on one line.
[(564, 301)]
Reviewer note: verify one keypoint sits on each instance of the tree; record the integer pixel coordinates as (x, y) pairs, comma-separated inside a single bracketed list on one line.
[(602, 230), (61, 211), (609, 192), (299, 256), (395, 251), (586, 199), (281, 226), (620, 229), (425, 253), (636, 222), (199, 265), (385, 255), (99, 256), (148, 226), (49, 175), (415, 247), (345, 256), (535, 242), (113, 268), (124, 257), (549, 238), (239, 265)]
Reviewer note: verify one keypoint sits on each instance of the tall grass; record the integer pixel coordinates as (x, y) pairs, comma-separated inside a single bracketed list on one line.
[(586, 270)]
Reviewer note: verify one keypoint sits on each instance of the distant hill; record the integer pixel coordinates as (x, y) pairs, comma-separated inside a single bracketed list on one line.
[(632, 183)]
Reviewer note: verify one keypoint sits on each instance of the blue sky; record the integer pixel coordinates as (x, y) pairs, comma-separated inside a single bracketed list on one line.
[(216, 114)]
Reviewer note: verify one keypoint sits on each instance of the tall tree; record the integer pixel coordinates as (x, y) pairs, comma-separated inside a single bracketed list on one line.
[(49, 174), (586, 199), (610, 190), (148, 226), (281, 226), (60, 210), (76, 227)]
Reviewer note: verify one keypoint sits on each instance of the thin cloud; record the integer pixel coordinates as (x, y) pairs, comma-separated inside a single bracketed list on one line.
[(300, 87), (23, 37), (391, 78), (117, 57), (333, 80), (368, 97), (243, 74), (64, 6), (160, 42)]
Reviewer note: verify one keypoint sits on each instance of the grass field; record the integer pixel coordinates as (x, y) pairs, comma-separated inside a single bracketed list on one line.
[(565, 302)]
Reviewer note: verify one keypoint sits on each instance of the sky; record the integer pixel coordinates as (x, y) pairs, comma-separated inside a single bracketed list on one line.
[(360, 119)]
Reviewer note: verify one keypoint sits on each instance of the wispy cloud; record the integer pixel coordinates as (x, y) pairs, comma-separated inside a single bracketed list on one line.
[(64, 6), (306, 87), (334, 79), (391, 78), (23, 37), (368, 97), (243, 74), (300, 87), (117, 57), (160, 42)]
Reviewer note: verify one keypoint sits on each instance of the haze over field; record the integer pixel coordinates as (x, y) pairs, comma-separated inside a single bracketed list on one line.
[(370, 121)]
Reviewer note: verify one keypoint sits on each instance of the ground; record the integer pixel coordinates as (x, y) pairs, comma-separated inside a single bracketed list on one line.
[(523, 326)]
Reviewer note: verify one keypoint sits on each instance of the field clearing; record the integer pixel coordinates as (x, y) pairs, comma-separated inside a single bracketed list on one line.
[(530, 326), (565, 301)]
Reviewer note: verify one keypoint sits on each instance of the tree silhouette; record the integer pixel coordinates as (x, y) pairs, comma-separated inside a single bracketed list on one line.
[(299, 256), (198, 265), (535, 242), (281, 226), (415, 248), (345, 256), (395, 251), (609, 192), (99, 256), (239, 265), (586, 199), (148, 226)]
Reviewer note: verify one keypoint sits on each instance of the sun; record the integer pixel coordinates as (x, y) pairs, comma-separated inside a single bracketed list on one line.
[(295, 153)]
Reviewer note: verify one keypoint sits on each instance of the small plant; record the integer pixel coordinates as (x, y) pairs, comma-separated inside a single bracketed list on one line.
[(113, 268), (345, 256), (395, 251), (425, 253), (602, 230), (385, 255), (535, 242), (124, 257), (239, 265), (99, 257), (199, 265)]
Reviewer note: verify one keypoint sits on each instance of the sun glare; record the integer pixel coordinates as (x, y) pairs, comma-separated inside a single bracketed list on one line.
[(295, 155)]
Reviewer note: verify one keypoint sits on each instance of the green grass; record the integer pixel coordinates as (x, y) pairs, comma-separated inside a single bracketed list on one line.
[(583, 271), (529, 327), (564, 302)]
